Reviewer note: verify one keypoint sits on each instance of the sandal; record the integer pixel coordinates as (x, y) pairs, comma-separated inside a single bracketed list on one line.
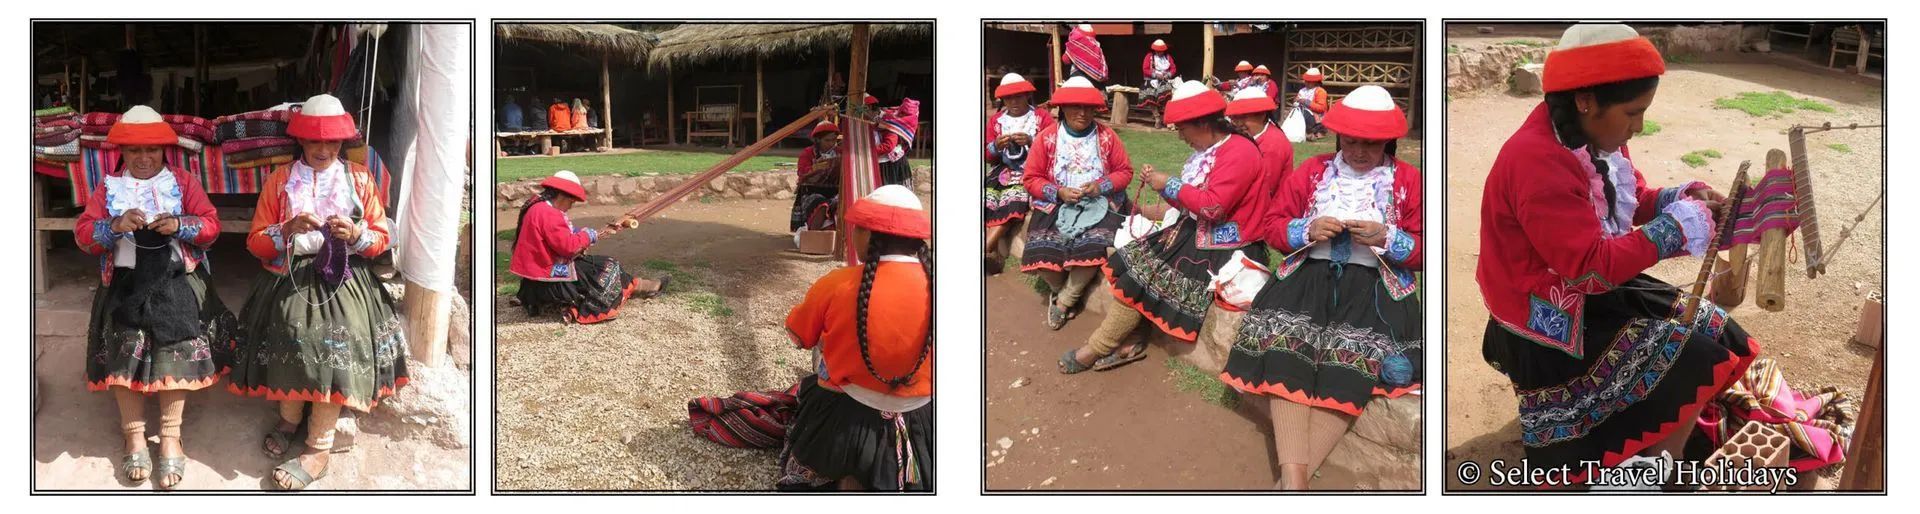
[(297, 476), (1121, 358), (283, 438), (1070, 365), (1056, 317), (175, 467), (140, 460)]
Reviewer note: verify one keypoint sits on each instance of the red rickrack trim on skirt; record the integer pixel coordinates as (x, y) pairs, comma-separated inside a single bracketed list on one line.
[(1300, 397), (1121, 296), (165, 384), (995, 222), (1726, 373), (625, 293), (310, 395), (1048, 266)]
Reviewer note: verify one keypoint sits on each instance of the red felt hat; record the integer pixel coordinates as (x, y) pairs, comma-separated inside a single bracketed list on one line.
[(1243, 66), (322, 118), (1078, 91), (1312, 75), (141, 125), (1159, 46), (566, 182), (1192, 100), (1367, 112), (1262, 70), (893, 210), (1012, 84), (1249, 101), (1599, 54), (824, 127), (871, 100)]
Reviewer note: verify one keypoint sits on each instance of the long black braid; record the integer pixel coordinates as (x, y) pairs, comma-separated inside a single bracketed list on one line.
[(1225, 126), (546, 193), (1564, 112), (887, 244)]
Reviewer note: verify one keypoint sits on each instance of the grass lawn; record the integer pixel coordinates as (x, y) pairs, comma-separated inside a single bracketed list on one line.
[(1769, 104), (667, 162)]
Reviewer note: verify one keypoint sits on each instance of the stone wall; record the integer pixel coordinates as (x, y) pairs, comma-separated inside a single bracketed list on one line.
[(1488, 67), (623, 190)]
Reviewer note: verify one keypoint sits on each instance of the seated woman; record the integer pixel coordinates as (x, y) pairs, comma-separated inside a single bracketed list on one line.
[(1166, 277), (1603, 369), (1076, 173), (1311, 102), (318, 327), (1010, 134), (819, 184), (549, 256), (157, 329), (1339, 324), (866, 417)]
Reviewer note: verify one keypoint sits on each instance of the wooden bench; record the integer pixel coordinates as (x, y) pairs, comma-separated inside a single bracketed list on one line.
[(543, 137), (1849, 41)]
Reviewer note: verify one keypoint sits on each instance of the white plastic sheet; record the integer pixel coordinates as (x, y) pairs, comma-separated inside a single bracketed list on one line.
[(434, 114)]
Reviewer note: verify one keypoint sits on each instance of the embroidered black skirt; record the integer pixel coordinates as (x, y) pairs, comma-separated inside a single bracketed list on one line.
[(303, 340), (600, 287), (835, 436), (1328, 339), (1165, 276), (809, 198), (119, 355), (1048, 249), (1641, 372), (1006, 198)]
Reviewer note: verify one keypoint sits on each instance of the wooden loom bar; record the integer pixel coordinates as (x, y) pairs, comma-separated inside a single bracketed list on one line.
[(649, 209)]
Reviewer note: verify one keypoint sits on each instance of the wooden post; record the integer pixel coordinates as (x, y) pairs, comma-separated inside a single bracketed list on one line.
[(83, 84), (606, 105), (1118, 117), (38, 205), (1206, 51), (1770, 288), (1866, 46), (759, 99), (1865, 469), (427, 321), (856, 96), (671, 138), (199, 67), (1053, 34)]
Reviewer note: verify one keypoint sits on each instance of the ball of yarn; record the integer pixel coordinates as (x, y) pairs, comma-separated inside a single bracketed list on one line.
[(1396, 370)]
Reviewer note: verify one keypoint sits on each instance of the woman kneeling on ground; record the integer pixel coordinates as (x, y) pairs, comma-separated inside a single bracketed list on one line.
[(1340, 322), (549, 256), (157, 329), (866, 417)]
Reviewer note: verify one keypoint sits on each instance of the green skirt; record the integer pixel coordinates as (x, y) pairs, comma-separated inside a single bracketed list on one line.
[(119, 356), (304, 341)]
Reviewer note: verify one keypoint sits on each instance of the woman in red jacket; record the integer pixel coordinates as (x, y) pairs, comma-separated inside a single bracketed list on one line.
[(1009, 134), (819, 183), (1339, 323), (1166, 277), (157, 329), (1077, 174), (320, 329), (549, 256), (1603, 369)]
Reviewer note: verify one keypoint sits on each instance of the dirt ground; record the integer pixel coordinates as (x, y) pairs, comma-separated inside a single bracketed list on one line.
[(1125, 429), (1809, 338), (77, 443), (604, 407)]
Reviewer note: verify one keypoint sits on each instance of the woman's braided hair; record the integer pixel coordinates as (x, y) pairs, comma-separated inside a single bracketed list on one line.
[(887, 244), (1564, 112)]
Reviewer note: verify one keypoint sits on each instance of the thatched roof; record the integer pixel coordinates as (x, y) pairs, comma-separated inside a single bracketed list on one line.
[(602, 38), (700, 42)]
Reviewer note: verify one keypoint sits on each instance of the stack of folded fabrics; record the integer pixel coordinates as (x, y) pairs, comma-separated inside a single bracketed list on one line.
[(254, 139), (56, 135), (194, 132)]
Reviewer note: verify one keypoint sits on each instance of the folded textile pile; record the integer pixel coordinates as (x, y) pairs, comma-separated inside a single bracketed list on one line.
[(255, 138), (55, 133), (194, 132)]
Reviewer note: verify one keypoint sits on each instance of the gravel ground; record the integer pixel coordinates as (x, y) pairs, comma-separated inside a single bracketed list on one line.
[(603, 407)]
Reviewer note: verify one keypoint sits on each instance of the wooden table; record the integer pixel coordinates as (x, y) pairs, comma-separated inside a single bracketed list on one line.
[(544, 137)]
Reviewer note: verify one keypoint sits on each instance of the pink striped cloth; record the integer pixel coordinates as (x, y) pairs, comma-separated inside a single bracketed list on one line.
[(1084, 52), (255, 143), (1769, 204), (1819, 429)]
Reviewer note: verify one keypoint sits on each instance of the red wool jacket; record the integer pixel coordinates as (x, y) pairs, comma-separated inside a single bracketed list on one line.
[(808, 175), (993, 129), (1037, 174), (1286, 222), (1542, 248), (1278, 152), (546, 245), (199, 224), (1228, 204), (1146, 67)]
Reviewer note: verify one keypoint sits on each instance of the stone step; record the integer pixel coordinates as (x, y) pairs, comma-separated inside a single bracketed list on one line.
[(60, 322)]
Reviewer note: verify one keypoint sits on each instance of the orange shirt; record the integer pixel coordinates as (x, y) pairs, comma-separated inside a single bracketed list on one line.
[(560, 117), (897, 323)]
